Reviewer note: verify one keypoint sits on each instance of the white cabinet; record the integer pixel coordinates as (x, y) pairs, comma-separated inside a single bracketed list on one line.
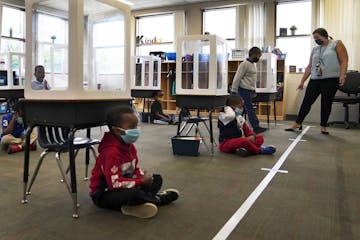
[(84, 46), (201, 65), (266, 73), (146, 73)]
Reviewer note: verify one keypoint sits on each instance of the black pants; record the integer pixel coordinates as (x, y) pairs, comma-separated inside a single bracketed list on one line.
[(129, 196), (327, 88)]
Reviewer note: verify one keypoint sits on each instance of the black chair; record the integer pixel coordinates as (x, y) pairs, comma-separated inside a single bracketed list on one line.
[(55, 139), (352, 90), (187, 123)]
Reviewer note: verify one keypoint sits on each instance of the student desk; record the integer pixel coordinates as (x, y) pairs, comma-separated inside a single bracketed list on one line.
[(75, 114), (209, 103)]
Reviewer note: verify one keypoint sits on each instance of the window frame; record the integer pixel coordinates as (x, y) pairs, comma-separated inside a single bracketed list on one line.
[(20, 40), (160, 44), (226, 39), (300, 67)]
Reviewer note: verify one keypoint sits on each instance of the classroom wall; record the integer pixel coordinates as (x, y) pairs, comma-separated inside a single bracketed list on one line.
[(193, 13)]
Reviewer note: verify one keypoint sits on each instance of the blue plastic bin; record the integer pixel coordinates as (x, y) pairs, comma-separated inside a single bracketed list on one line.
[(186, 145), (171, 56)]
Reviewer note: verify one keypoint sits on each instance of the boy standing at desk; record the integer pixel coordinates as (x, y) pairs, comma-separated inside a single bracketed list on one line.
[(244, 84), (116, 181), (235, 135)]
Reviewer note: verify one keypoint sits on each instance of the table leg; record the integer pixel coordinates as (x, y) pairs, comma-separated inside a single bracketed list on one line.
[(73, 172), (267, 114), (26, 162), (211, 132), (275, 112), (87, 155)]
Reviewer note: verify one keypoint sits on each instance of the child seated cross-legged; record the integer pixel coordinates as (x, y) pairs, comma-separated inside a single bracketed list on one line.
[(235, 135), (116, 181)]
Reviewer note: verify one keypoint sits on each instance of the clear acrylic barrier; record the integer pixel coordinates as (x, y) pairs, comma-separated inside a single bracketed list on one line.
[(266, 73), (146, 73), (201, 65), (84, 46)]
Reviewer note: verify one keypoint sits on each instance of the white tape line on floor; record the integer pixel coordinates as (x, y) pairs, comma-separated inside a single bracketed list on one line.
[(230, 225)]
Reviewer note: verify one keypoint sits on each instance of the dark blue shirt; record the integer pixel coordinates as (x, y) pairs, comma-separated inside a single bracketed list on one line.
[(18, 130)]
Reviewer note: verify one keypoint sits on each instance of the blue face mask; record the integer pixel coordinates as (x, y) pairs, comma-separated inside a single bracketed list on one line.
[(20, 120), (238, 111), (131, 135)]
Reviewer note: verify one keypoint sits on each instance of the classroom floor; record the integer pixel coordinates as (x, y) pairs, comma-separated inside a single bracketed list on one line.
[(318, 198)]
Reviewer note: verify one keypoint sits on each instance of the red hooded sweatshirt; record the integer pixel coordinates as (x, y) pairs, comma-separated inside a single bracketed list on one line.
[(116, 166)]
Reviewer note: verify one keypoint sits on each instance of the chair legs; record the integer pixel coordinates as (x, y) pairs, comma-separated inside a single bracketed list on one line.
[(346, 121), (63, 174), (42, 156), (86, 165), (61, 168)]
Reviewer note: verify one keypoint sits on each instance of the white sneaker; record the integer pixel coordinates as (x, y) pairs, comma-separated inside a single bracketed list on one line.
[(146, 210)]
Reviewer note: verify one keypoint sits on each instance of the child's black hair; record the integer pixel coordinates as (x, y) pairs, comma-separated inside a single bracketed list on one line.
[(115, 115), (17, 106), (233, 99), (254, 51)]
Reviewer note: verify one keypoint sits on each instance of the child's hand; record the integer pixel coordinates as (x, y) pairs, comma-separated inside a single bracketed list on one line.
[(251, 138), (46, 86), (147, 179)]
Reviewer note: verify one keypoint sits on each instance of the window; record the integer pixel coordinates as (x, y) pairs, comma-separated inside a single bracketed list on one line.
[(214, 21), (298, 46), (52, 37), (155, 33), (13, 30), (108, 52)]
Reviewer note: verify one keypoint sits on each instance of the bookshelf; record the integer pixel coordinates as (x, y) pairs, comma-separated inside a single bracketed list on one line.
[(169, 100)]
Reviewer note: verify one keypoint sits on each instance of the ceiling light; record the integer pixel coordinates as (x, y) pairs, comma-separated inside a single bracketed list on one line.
[(125, 2)]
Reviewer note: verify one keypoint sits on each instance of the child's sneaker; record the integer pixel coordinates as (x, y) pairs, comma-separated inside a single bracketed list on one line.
[(14, 148), (146, 210), (242, 152), (268, 149), (168, 196), (33, 146)]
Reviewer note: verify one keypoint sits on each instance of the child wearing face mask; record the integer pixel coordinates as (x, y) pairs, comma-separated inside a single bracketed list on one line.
[(244, 84), (116, 181), (235, 135), (13, 131)]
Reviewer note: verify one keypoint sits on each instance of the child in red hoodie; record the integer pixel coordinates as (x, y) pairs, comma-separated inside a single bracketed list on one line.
[(116, 181), (235, 135)]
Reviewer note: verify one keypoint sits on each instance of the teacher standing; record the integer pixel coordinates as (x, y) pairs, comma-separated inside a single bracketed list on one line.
[(327, 70)]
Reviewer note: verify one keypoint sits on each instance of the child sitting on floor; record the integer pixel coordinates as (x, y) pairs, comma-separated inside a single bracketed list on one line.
[(157, 115), (235, 135), (116, 181)]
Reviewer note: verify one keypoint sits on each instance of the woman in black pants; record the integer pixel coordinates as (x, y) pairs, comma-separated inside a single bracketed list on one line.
[(327, 69)]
